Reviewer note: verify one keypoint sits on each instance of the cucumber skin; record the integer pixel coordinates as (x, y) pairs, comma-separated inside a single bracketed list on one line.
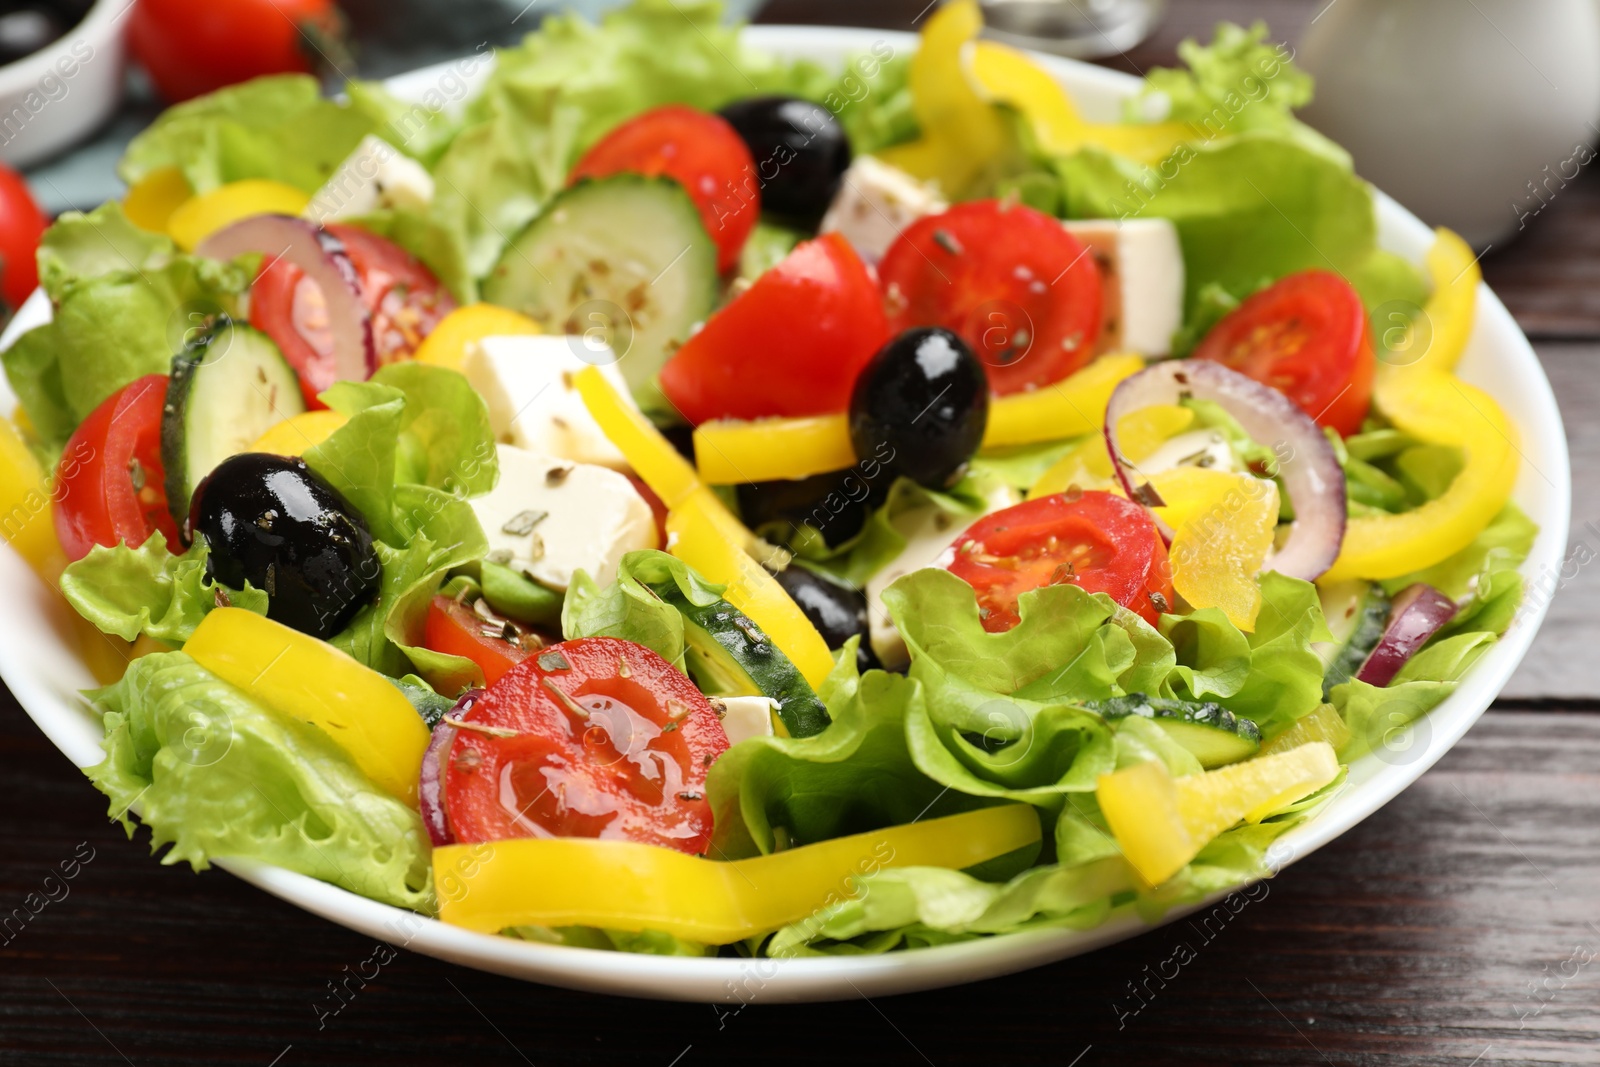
[(1190, 716), (770, 671), (1362, 640)]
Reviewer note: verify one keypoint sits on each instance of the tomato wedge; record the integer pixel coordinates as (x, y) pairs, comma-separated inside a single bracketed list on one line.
[(701, 152), (404, 298), (1306, 336), (110, 485), (1100, 542), (791, 345), (596, 737), (495, 645), (1017, 287)]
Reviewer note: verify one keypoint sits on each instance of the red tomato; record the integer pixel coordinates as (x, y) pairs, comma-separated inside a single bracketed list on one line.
[(456, 630), (792, 344), (1100, 542), (405, 299), (109, 485), (699, 151), (611, 742), (1017, 287), (1306, 336), (21, 224), (190, 47)]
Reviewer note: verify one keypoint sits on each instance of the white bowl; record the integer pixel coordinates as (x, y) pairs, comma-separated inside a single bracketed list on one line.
[(38, 662), (55, 96)]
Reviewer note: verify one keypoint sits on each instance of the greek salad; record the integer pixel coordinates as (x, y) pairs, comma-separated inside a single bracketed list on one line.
[(680, 500)]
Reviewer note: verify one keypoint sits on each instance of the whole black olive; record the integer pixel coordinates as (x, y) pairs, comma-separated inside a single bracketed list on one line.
[(23, 31), (799, 150), (835, 504), (271, 521), (837, 611), (922, 403)]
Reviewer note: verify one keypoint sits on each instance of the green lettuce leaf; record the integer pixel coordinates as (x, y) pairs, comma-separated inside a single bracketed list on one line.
[(627, 608), (148, 590), (79, 246), (215, 775), (441, 249), (114, 326), (1378, 716), (854, 776), (278, 127)]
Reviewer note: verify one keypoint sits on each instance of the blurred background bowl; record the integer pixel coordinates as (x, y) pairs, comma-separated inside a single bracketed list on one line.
[(57, 95)]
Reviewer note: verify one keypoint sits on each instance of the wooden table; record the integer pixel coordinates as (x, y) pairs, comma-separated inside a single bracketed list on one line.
[(1452, 927)]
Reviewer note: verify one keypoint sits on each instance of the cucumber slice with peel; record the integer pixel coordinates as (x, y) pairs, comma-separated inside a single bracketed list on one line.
[(1212, 733)]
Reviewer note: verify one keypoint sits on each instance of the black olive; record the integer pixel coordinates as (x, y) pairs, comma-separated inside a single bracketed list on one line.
[(922, 403), (835, 504), (799, 150), (837, 611), (26, 30), (271, 521)]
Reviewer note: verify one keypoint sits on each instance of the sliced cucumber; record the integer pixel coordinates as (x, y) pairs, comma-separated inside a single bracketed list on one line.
[(1357, 611), (227, 388), (728, 656), (1213, 735), (625, 260)]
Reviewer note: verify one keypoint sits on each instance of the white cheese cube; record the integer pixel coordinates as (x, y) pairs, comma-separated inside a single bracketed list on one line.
[(1196, 448), (928, 532), (874, 203), (549, 518), (1141, 263), (375, 177), (744, 717), (527, 381)]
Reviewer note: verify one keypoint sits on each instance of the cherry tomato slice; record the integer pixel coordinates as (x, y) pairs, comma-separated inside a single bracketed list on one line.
[(21, 226), (404, 298), (700, 151), (1017, 287), (792, 344), (495, 645), (1306, 336), (110, 482), (1097, 541), (610, 741)]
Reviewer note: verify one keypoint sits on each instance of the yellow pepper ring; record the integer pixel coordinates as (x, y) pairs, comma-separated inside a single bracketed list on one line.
[(200, 216), (624, 885)]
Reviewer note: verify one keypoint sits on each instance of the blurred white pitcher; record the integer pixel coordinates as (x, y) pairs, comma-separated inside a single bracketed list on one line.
[(1475, 114)]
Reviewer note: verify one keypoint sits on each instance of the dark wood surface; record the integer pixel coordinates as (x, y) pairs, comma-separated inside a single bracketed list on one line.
[(1452, 927)]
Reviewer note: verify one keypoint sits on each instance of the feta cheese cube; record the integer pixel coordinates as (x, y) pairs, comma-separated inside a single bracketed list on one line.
[(527, 381), (549, 518), (874, 203), (374, 177), (744, 717), (1141, 263)]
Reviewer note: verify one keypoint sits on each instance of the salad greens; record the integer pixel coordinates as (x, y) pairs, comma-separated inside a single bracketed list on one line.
[(216, 776)]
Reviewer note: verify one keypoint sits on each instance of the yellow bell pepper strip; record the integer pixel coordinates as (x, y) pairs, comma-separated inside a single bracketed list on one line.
[(1010, 77), (695, 537), (732, 451), (1073, 406), (961, 131), (152, 199), (1139, 433), (302, 678), (298, 434), (1323, 724), (1223, 524), (1453, 306), (448, 343), (1161, 823), (1438, 408), (26, 518), (623, 885), (200, 216)]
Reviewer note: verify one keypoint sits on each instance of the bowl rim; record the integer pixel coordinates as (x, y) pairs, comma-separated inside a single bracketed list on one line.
[(742, 980)]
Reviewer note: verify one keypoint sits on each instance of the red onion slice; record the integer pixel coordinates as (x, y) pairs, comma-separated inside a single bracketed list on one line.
[(323, 258), (1419, 612), (430, 783), (1306, 462)]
